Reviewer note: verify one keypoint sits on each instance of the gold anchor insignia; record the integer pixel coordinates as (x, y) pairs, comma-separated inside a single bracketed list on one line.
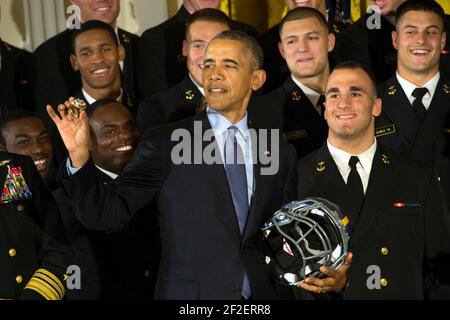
[(446, 89), (125, 38), (385, 159), (392, 90), (296, 96), (321, 167), (190, 95)]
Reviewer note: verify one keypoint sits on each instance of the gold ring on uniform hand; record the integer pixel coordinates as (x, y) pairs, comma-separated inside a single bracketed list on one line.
[(76, 107)]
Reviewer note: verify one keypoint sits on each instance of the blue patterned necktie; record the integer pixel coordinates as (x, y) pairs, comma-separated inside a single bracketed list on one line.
[(237, 180)]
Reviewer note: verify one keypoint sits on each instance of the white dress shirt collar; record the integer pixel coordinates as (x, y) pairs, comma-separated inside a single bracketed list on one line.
[(409, 87), (108, 173), (313, 96), (90, 100), (364, 166), (202, 91)]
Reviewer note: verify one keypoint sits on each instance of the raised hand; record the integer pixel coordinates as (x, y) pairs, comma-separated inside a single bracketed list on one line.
[(74, 133)]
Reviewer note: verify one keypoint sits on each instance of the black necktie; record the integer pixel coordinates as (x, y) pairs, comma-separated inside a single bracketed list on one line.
[(418, 106), (355, 186), (321, 105)]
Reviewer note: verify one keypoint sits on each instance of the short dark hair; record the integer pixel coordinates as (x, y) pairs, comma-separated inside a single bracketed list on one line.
[(248, 41), (420, 5), (100, 103), (301, 13), (14, 115), (207, 15), (353, 65), (93, 25)]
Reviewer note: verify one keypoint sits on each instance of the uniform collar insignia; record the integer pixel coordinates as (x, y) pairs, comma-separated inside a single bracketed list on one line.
[(321, 166), (296, 96), (392, 90), (189, 95), (446, 88)]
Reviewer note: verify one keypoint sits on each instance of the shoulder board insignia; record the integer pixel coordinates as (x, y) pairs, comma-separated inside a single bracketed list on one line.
[(296, 96), (392, 90), (384, 131), (189, 95)]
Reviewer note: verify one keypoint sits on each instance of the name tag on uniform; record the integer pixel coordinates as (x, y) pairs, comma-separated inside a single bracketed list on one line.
[(384, 131), (15, 187), (295, 135)]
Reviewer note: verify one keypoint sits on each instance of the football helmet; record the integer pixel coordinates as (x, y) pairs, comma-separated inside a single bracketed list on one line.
[(303, 236)]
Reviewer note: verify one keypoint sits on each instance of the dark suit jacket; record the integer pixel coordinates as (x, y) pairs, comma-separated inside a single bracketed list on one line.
[(204, 254), (55, 79), (120, 263), (290, 110), (15, 79), (176, 103), (160, 59), (32, 228), (415, 235), (398, 128)]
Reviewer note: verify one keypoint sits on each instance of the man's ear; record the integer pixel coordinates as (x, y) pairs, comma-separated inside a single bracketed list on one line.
[(258, 79), (331, 41), (280, 47), (394, 36), (377, 107), (74, 62), (185, 48)]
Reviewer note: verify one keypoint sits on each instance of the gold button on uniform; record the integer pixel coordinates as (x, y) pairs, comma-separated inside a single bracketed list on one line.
[(147, 273), (20, 208), (12, 252), (384, 282), (19, 279), (384, 251)]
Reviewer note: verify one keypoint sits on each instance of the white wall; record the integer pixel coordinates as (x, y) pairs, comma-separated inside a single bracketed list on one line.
[(12, 27), (22, 26)]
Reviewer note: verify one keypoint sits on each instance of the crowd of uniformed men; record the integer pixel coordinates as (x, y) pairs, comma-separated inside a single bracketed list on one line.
[(366, 108)]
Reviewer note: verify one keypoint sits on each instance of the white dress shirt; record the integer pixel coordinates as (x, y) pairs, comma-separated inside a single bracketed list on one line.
[(341, 158), (409, 87)]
